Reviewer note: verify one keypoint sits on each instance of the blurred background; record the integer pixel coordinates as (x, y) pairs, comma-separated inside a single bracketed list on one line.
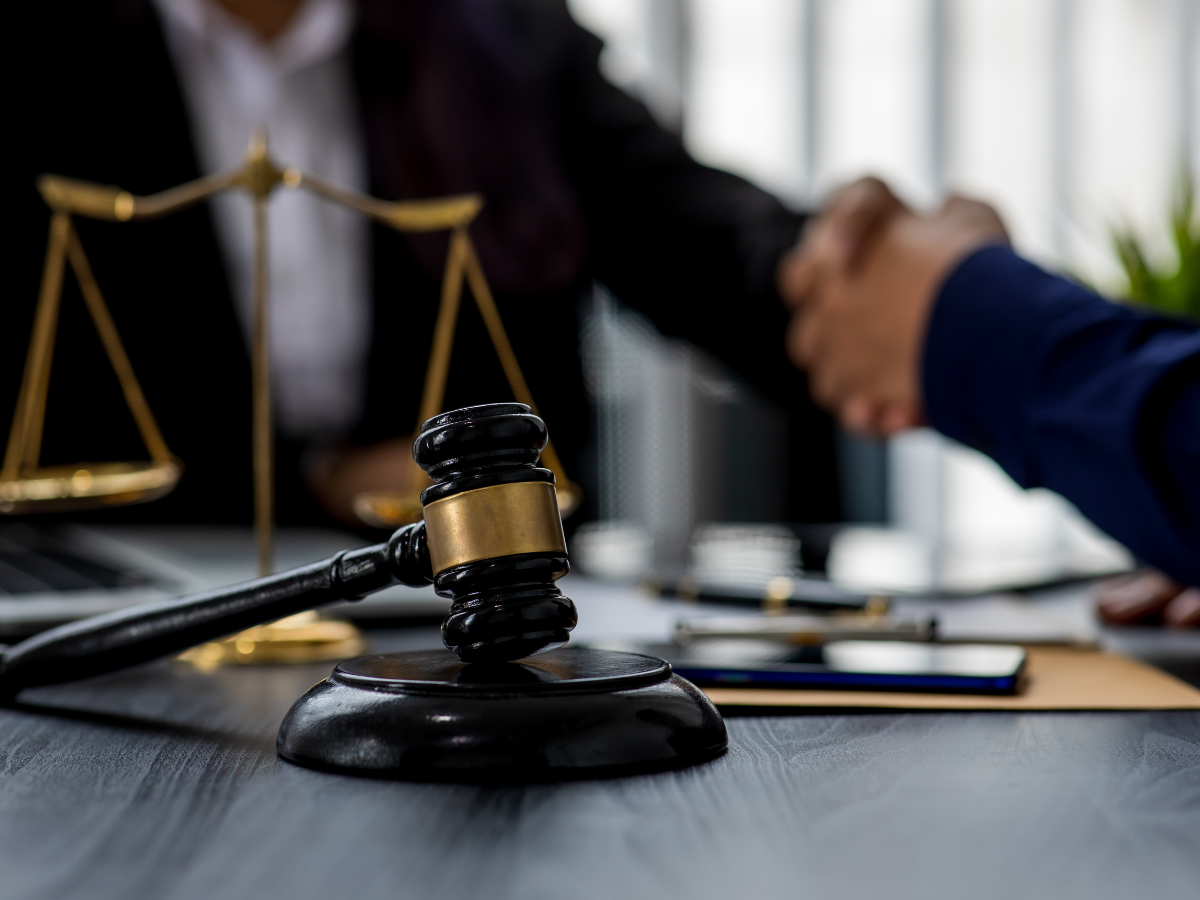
[(1075, 119)]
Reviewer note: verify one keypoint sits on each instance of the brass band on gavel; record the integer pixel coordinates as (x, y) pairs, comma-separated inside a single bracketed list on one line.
[(489, 522)]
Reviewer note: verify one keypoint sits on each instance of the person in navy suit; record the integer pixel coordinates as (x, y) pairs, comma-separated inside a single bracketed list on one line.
[(903, 319)]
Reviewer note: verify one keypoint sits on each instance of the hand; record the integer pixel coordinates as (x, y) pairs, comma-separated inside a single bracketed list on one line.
[(839, 238), (338, 476), (862, 284), (1147, 596), (266, 18)]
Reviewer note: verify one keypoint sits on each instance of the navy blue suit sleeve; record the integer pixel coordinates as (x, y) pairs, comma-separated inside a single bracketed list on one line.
[(1069, 391)]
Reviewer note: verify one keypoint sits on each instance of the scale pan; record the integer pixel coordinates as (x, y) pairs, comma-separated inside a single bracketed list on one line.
[(88, 486), (392, 509), (387, 509)]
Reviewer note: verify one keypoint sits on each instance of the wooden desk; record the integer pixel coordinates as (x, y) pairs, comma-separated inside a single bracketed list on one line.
[(163, 782)]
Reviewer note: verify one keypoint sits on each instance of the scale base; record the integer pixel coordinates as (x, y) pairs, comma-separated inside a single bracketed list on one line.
[(564, 714), (302, 638)]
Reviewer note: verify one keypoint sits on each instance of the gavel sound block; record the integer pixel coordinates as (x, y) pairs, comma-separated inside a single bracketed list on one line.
[(506, 699)]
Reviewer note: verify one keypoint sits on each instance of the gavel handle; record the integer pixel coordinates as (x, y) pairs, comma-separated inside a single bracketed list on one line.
[(140, 633)]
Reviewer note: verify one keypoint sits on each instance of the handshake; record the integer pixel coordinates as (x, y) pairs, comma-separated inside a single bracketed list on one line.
[(861, 285), (902, 319)]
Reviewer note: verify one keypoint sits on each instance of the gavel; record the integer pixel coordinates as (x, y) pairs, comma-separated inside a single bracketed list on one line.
[(507, 703), (491, 541)]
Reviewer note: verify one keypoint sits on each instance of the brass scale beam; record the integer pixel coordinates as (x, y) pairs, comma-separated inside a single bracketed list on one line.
[(23, 485)]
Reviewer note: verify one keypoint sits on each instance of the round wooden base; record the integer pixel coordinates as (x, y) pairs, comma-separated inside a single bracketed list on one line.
[(567, 713)]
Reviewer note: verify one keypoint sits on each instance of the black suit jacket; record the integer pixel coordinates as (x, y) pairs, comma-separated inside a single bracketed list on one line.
[(590, 186)]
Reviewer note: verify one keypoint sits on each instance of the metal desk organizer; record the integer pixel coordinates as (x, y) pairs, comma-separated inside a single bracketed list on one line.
[(27, 487)]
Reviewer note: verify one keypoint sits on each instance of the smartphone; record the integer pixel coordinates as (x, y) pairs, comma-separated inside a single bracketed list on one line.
[(851, 665)]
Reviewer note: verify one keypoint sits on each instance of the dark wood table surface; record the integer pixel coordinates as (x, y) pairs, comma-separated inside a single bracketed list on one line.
[(163, 782)]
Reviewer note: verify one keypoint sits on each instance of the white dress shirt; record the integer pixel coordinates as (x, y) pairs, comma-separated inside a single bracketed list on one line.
[(299, 90)]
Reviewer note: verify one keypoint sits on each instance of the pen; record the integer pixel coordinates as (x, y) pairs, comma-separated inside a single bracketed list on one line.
[(802, 630)]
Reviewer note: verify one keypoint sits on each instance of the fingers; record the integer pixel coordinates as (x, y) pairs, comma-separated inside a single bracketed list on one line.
[(811, 348), (798, 270), (856, 215), (801, 339), (899, 417), (861, 415), (866, 401), (963, 214), (1127, 600), (839, 239), (814, 342), (867, 416), (1184, 610)]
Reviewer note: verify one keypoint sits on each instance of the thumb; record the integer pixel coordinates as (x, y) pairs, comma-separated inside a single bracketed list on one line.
[(966, 215), (857, 214)]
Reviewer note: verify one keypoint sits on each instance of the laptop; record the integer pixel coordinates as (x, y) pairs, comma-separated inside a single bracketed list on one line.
[(50, 575)]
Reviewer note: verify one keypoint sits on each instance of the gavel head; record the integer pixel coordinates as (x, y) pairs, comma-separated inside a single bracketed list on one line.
[(494, 533)]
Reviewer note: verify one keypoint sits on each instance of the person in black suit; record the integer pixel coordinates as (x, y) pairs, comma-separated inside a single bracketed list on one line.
[(499, 96)]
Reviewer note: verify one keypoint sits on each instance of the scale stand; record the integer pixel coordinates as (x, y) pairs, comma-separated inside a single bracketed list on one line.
[(26, 487)]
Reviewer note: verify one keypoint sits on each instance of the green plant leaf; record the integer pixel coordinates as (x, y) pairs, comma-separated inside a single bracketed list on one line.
[(1176, 292)]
